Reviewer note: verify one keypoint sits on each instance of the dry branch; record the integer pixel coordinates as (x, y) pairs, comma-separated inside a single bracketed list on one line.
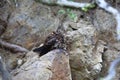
[(12, 47), (64, 3)]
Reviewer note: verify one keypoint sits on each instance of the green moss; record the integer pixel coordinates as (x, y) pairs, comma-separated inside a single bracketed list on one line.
[(69, 13), (87, 7)]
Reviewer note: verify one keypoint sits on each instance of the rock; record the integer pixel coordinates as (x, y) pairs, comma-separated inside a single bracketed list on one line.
[(105, 24), (5, 10), (109, 56), (32, 22), (85, 62), (52, 66), (116, 45), (104, 21), (11, 59)]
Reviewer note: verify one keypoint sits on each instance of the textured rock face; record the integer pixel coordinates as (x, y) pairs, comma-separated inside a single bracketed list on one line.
[(28, 23), (104, 21), (5, 10), (84, 61), (110, 55), (106, 25), (52, 66)]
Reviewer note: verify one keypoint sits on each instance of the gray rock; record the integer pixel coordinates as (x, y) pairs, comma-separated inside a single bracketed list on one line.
[(104, 21), (109, 56), (52, 66), (84, 61), (30, 23), (105, 24)]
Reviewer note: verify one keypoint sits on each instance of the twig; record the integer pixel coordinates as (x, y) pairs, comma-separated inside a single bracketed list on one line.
[(72, 4), (65, 3), (12, 47)]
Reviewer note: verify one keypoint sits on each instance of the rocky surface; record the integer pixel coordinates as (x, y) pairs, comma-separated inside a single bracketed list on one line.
[(52, 66), (91, 42), (105, 25), (85, 60), (108, 56), (29, 19)]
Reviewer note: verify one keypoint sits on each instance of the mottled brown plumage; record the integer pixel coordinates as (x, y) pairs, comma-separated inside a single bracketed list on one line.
[(53, 41)]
